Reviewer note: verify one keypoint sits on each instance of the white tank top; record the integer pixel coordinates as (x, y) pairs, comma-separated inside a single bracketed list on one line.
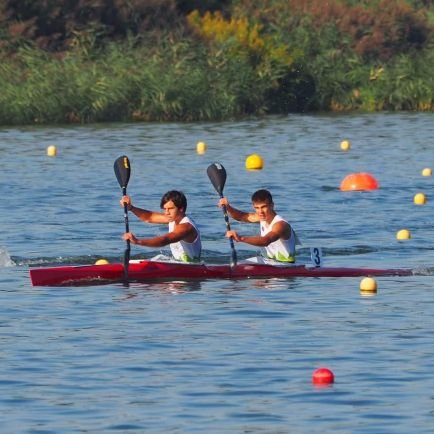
[(183, 251), (279, 250)]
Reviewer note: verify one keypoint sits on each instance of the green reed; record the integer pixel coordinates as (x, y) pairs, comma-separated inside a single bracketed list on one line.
[(126, 82), (186, 79)]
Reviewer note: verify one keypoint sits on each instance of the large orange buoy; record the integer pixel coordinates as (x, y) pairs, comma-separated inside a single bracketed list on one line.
[(358, 182)]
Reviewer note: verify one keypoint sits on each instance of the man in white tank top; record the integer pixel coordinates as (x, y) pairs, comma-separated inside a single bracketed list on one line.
[(277, 237), (183, 235)]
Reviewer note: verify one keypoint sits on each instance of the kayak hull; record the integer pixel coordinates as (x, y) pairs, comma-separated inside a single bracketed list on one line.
[(144, 271)]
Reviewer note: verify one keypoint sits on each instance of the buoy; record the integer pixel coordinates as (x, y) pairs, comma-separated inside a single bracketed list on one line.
[(427, 172), (358, 182), (101, 262), (403, 234), (323, 377), (254, 162), (368, 285), (345, 145), (51, 151), (368, 293), (201, 148), (419, 199)]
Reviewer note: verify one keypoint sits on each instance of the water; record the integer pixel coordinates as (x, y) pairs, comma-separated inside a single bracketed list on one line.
[(218, 356)]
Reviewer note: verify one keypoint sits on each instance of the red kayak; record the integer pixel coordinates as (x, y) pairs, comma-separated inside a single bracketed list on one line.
[(144, 271)]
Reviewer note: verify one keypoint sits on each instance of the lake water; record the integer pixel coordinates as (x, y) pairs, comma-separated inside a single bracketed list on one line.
[(218, 356)]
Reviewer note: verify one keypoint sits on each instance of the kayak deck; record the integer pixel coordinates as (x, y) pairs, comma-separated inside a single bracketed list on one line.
[(142, 271)]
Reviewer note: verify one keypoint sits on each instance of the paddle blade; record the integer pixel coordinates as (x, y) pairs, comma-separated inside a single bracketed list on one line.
[(122, 170), (217, 175)]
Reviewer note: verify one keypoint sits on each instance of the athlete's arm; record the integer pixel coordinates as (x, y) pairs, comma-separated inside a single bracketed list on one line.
[(241, 216), (143, 214), (183, 231)]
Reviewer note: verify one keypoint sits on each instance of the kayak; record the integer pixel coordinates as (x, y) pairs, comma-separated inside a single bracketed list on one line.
[(148, 270), (158, 269)]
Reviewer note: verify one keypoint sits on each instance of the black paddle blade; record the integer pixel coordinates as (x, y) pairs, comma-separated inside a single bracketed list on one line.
[(123, 171), (217, 175)]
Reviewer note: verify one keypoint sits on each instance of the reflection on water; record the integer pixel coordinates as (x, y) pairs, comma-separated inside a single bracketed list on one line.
[(182, 286), (171, 286)]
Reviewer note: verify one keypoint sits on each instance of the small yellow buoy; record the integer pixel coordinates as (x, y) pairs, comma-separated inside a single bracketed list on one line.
[(201, 148), (345, 145), (419, 199), (254, 162), (427, 171), (368, 285), (101, 262), (403, 234), (51, 151)]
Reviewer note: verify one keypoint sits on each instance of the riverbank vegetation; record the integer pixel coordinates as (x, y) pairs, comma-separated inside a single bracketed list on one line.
[(161, 60)]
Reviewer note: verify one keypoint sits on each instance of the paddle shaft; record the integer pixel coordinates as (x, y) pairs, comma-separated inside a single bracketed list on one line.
[(127, 229), (231, 240)]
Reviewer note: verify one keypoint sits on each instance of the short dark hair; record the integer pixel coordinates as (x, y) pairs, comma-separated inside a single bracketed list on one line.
[(262, 196), (177, 197)]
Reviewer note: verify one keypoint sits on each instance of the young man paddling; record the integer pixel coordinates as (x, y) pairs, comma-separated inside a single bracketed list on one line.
[(183, 236), (277, 237)]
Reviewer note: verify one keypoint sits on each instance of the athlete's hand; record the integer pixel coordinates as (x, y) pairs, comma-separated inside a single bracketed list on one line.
[(129, 236), (126, 200), (233, 234), (223, 202)]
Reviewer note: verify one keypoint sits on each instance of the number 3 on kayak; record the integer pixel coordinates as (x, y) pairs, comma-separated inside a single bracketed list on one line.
[(316, 256)]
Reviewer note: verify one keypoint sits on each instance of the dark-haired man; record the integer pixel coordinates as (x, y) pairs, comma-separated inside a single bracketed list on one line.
[(183, 236), (277, 237)]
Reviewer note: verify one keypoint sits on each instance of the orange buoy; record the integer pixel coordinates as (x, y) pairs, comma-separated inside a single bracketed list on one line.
[(323, 377), (358, 182)]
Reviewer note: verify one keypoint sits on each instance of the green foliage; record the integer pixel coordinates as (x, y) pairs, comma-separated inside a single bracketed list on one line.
[(110, 60), (406, 84), (177, 82)]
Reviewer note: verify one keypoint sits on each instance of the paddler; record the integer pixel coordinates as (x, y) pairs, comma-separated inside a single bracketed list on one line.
[(183, 236), (277, 236)]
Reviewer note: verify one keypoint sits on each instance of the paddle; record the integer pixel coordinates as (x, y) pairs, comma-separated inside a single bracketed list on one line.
[(123, 170), (217, 175)]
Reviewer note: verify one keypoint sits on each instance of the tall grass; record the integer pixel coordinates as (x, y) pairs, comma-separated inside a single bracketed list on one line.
[(127, 82), (274, 61)]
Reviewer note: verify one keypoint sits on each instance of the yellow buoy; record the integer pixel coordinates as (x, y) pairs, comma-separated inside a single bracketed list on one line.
[(51, 151), (403, 234), (101, 262), (368, 285), (419, 199), (367, 293), (427, 171), (254, 162), (345, 145), (201, 148)]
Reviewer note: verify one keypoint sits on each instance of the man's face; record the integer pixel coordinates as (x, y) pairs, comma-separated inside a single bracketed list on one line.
[(171, 210), (263, 209)]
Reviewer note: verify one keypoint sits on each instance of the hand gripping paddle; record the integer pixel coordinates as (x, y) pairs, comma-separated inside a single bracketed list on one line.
[(123, 170), (217, 175)]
